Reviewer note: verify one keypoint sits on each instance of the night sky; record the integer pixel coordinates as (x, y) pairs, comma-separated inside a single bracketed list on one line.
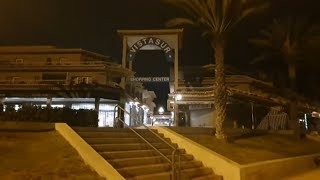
[(92, 25)]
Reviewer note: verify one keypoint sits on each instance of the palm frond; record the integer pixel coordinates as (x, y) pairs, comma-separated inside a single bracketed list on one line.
[(262, 42), (295, 38), (266, 33), (181, 22), (217, 16), (252, 10)]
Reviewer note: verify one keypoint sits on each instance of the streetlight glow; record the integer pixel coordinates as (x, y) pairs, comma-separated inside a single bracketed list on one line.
[(161, 110), (178, 97)]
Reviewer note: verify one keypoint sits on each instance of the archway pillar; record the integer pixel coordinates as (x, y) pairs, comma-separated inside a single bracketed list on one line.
[(167, 40), (124, 60)]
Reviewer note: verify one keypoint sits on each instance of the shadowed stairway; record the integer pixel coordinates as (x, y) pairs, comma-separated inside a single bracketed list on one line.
[(135, 159)]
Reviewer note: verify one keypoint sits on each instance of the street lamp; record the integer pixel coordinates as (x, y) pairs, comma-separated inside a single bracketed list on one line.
[(178, 97), (161, 110)]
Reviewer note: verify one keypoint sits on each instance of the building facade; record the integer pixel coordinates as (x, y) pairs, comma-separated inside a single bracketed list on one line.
[(56, 77), (249, 99)]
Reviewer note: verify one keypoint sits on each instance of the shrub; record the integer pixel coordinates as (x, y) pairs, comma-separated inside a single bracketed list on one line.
[(72, 117)]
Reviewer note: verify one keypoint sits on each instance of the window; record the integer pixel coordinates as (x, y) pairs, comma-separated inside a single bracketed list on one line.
[(82, 80), (15, 80), (86, 80), (19, 61), (49, 61), (62, 60)]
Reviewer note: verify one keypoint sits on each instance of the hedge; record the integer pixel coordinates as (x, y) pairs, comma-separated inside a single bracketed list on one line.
[(70, 116)]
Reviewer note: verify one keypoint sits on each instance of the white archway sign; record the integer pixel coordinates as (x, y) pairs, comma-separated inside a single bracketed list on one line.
[(167, 40)]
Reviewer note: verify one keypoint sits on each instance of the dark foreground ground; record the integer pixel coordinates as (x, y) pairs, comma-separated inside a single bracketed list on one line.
[(40, 156)]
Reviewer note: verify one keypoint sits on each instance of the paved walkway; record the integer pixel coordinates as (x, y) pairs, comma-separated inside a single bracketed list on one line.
[(309, 175)]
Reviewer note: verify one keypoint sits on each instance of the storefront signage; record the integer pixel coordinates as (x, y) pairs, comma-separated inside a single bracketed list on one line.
[(150, 79), (151, 41)]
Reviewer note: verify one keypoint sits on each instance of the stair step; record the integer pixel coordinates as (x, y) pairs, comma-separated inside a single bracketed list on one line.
[(183, 157), (140, 161), (168, 175), (116, 134), (123, 147), (155, 176), (136, 153), (146, 169), (108, 129), (155, 168), (209, 177), (124, 140), (195, 172), (99, 129)]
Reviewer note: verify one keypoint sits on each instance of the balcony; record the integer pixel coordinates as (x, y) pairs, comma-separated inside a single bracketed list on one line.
[(95, 66), (46, 84)]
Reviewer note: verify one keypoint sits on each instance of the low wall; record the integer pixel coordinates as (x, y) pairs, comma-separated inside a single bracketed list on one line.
[(88, 154), (26, 126), (275, 169), (230, 170), (220, 165)]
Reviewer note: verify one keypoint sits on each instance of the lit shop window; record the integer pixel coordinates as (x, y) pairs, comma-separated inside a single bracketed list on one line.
[(83, 106)]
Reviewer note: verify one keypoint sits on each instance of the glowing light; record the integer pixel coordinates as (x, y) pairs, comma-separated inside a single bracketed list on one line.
[(161, 110), (178, 97), (306, 121)]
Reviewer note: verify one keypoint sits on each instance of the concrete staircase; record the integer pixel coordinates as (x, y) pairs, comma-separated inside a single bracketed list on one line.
[(135, 159)]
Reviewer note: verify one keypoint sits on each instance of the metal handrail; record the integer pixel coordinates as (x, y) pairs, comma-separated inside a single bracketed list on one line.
[(175, 171)]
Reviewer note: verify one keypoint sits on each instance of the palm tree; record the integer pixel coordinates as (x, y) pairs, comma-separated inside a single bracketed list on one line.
[(293, 39), (217, 18)]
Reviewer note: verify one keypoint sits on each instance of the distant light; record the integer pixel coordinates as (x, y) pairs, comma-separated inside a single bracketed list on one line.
[(161, 110), (306, 121), (178, 97)]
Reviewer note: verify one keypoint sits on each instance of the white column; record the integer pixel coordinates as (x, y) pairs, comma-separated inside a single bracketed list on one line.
[(252, 116), (176, 78), (176, 64), (49, 102), (96, 104), (1, 104)]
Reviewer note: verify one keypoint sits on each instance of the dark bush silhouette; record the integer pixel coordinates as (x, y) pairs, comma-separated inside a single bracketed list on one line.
[(72, 117)]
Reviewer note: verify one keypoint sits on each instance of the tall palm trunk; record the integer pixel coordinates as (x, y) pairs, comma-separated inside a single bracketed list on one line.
[(292, 75), (293, 110), (220, 89)]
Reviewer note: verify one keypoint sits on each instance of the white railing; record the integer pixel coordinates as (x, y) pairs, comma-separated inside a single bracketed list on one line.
[(175, 164)]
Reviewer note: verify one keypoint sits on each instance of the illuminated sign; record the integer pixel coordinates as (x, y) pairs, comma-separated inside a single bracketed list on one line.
[(153, 42), (150, 79)]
